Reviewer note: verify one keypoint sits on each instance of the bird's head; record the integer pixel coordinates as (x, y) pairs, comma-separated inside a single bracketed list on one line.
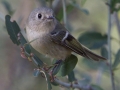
[(42, 18)]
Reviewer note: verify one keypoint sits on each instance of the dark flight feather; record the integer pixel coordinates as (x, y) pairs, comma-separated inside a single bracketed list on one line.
[(64, 38)]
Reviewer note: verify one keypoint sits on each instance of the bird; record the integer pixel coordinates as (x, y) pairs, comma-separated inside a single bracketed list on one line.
[(49, 37)]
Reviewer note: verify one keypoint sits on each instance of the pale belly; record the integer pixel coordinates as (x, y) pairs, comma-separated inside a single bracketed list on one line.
[(46, 47)]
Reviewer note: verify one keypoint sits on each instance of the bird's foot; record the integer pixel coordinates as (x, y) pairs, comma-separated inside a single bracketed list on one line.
[(55, 70)]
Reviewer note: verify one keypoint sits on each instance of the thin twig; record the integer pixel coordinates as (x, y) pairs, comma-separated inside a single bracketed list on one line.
[(69, 85), (109, 47), (64, 12), (65, 84)]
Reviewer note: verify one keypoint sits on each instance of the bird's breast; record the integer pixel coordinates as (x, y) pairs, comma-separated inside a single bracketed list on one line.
[(44, 45)]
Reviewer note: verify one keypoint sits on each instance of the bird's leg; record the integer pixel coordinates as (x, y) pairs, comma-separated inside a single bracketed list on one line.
[(57, 63)]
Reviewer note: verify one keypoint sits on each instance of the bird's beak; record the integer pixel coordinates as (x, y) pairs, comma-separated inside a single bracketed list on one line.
[(50, 17)]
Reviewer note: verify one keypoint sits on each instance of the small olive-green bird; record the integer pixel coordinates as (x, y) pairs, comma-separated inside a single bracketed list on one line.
[(49, 37)]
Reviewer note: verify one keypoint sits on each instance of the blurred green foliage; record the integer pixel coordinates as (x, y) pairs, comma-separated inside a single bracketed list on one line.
[(13, 29), (117, 60), (115, 5), (93, 40)]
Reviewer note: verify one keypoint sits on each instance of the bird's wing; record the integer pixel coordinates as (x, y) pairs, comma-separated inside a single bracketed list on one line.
[(64, 38)]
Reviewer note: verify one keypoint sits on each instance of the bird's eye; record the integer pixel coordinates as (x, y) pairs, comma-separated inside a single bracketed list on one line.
[(39, 16)]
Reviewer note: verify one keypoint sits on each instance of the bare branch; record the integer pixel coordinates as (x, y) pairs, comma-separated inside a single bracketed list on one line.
[(109, 46), (70, 85), (64, 12)]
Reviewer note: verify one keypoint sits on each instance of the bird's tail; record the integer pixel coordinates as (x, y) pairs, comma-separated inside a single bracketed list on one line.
[(92, 55)]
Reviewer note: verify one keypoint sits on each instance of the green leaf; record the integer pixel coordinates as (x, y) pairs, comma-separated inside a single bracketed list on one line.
[(104, 52), (57, 68), (71, 77), (117, 60), (23, 42), (96, 87), (68, 66), (113, 5), (93, 40), (13, 29)]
